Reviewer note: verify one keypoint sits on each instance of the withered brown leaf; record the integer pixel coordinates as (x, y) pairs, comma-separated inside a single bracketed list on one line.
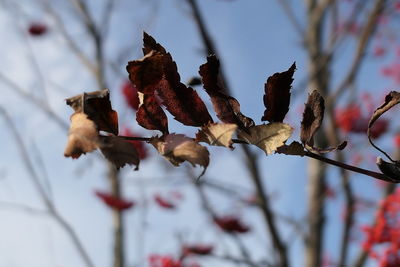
[(277, 95), (268, 137), (97, 106), (226, 107), (83, 136), (294, 148), (177, 148), (392, 99), (119, 152), (312, 117), (217, 134)]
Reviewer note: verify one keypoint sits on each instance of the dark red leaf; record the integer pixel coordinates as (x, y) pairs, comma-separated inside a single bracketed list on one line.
[(114, 202), (131, 95), (163, 203), (157, 71), (37, 29), (277, 95), (231, 224), (151, 116), (97, 106), (146, 73), (226, 107), (150, 44)]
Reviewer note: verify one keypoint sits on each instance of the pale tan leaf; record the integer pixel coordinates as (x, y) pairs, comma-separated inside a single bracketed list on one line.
[(268, 137), (119, 152), (177, 148), (83, 136), (217, 134)]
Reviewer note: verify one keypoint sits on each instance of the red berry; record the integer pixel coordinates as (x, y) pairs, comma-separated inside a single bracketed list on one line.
[(114, 202), (231, 224), (163, 203), (131, 95), (37, 29)]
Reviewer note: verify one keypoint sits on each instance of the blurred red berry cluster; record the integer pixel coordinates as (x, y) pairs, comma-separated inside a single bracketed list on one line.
[(163, 261), (130, 94), (37, 29), (231, 224), (350, 119), (392, 71), (163, 202), (386, 231), (114, 202), (197, 249)]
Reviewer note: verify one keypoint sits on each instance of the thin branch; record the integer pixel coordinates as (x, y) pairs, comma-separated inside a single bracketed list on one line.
[(365, 38), (31, 98), (287, 8), (342, 165), (345, 166), (70, 41)]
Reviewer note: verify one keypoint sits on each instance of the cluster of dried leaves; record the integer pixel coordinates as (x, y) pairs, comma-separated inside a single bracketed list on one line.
[(94, 125)]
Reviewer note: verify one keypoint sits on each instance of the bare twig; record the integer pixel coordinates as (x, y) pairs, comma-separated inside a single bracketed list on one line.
[(365, 38), (70, 41), (287, 8), (30, 98)]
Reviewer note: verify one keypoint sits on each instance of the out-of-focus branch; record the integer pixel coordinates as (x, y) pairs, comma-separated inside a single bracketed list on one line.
[(34, 100), (207, 207), (252, 165), (287, 8), (365, 38), (70, 41), (113, 174), (42, 192)]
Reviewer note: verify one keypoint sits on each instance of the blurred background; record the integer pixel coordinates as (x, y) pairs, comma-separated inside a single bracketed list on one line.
[(248, 209)]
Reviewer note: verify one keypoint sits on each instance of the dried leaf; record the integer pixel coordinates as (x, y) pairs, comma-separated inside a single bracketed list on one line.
[(341, 146), (150, 115), (217, 134), (295, 148), (391, 170), (226, 107), (268, 137), (119, 152), (158, 72), (177, 148), (83, 136), (392, 99), (97, 106), (277, 95), (312, 117)]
